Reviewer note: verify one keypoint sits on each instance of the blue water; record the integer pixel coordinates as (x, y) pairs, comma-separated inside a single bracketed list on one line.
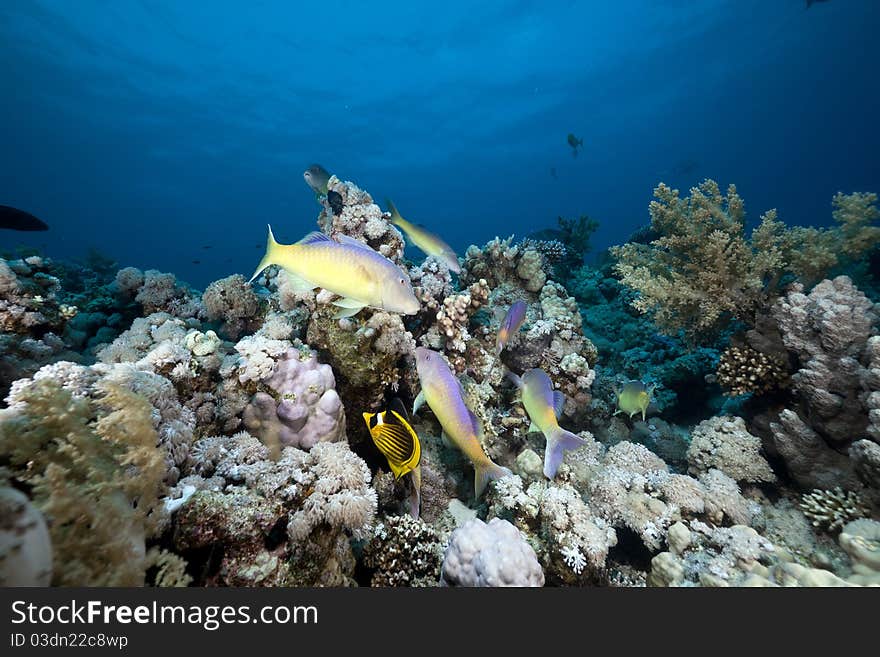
[(152, 129)]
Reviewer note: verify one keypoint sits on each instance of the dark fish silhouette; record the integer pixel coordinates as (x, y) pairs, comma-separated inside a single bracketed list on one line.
[(335, 201), (810, 2), (207, 246), (197, 262), (15, 219), (553, 172), (574, 142)]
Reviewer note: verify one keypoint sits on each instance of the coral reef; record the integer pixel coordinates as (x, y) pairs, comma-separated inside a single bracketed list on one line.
[(163, 436), (702, 270), (830, 510), (297, 404), (725, 444), (94, 471), (404, 551), (282, 522)]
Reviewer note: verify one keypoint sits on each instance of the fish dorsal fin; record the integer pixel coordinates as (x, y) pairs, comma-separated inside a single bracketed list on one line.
[(397, 406), (393, 210), (314, 237), (350, 241), (558, 402)]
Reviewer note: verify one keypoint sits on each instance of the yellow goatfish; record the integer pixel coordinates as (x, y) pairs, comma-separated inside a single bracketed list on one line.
[(544, 405), (444, 395), (344, 266), (394, 437), (426, 241)]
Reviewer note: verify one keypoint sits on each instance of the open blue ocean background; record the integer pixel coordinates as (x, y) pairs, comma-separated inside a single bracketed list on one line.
[(152, 129)]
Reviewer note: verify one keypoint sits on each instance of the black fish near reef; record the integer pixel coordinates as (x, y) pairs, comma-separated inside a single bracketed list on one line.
[(15, 219), (335, 201)]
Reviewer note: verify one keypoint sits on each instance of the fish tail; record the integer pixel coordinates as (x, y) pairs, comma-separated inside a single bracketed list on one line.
[(395, 215), (559, 441), (271, 257), (487, 472)]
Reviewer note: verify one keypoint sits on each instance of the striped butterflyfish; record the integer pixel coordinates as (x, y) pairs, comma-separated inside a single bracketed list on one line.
[(395, 438)]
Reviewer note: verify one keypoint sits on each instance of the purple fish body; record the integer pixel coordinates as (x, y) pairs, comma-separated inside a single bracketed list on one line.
[(514, 318)]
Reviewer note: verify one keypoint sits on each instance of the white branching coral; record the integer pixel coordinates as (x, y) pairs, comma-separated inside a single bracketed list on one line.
[(830, 510)]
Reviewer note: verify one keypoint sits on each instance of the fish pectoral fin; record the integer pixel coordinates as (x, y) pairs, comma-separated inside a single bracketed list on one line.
[(533, 428), (558, 403), (418, 402), (299, 284), (348, 302), (344, 312)]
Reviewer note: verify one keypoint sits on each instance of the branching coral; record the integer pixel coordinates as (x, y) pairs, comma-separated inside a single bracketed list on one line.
[(743, 370), (830, 510), (702, 270), (404, 551)]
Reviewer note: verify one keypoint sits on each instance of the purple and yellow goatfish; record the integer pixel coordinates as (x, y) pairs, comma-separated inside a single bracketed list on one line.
[(426, 241), (514, 318), (443, 393), (544, 405), (361, 276)]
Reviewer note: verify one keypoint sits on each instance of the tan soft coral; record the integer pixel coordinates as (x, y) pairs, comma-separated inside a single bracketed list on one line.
[(703, 270), (95, 472)]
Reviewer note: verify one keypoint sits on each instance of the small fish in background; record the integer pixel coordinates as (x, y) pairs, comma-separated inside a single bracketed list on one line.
[(553, 173), (207, 246), (15, 219), (426, 241), (810, 3), (544, 406), (334, 199), (343, 266), (443, 393), (514, 318), (317, 178), (634, 397), (197, 262), (395, 438), (574, 142)]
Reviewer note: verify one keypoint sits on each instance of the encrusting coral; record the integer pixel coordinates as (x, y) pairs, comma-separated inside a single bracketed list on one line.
[(724, 443)]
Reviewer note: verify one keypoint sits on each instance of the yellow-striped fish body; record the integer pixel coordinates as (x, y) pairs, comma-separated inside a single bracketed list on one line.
[(425, 240), (443, 393), (544, 405), (344, 266), (395, 438)]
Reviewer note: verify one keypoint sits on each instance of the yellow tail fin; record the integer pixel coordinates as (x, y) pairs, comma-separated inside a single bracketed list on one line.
[(271, 255)]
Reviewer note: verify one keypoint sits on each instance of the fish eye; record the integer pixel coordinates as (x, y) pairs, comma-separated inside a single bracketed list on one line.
[(401, 281)]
